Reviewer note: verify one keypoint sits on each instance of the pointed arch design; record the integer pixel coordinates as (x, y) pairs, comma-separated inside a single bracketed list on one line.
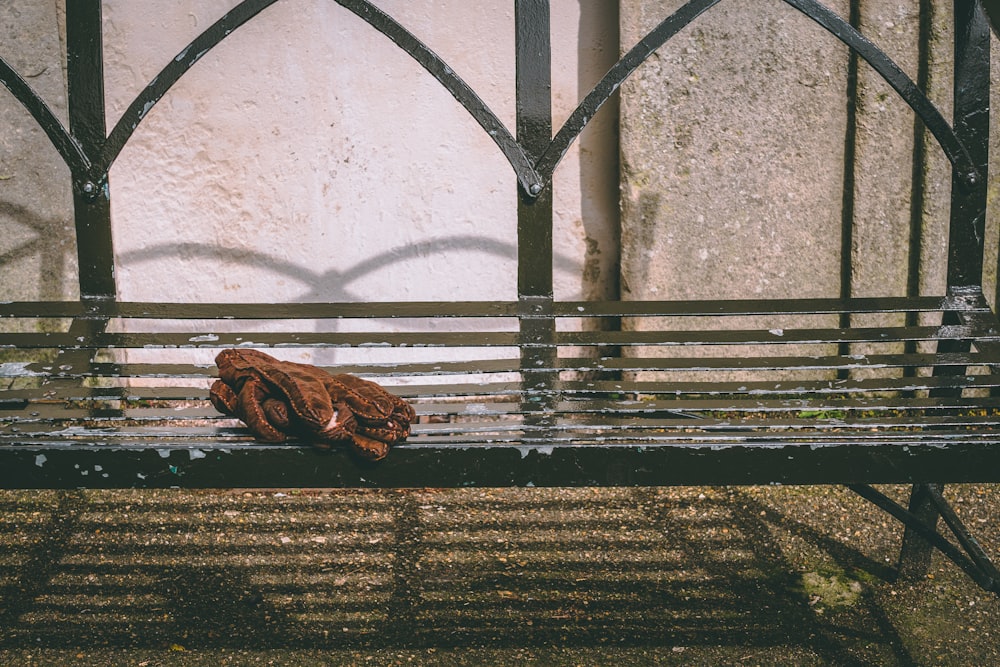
[(532, 176), (932, 118), (68, 147), (373, 16)]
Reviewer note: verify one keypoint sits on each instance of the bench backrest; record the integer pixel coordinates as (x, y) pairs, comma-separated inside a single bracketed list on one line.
[(533, 149)]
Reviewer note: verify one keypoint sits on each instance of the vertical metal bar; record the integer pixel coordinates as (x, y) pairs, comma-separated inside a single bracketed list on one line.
[(967, 230), (533, 81), (918, 177), (971, 122), (534, 133), (91, 199)]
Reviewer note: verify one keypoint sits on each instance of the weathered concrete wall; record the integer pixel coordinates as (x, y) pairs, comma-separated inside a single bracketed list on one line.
[(888, 222), (732, 151), (37, 239), (733, 161), (747, 167), (308, 158)]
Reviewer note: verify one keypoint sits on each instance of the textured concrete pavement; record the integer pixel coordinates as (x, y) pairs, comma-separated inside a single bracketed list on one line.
[(740, 576)]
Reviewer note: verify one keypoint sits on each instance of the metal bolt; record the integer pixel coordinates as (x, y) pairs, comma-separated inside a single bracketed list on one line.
[(535, 188), (89, 189), (971, 179)]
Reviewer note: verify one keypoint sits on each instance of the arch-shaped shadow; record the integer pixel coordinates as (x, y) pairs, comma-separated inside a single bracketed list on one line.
[(51, 236), (332, 285)]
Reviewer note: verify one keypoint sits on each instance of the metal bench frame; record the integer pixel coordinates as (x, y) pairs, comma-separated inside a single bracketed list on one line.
[(72, 419)]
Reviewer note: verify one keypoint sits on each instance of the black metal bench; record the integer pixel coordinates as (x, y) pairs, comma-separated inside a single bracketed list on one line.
[(565, 406)]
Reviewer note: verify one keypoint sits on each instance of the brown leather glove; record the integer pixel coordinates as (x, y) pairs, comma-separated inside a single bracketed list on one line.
[(282, 399)]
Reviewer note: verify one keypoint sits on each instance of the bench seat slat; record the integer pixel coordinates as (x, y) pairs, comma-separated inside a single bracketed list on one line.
[(649, 390), (435, 309), (582, 364), (555, 428), (110, 340), (823, 394), (773, 363)]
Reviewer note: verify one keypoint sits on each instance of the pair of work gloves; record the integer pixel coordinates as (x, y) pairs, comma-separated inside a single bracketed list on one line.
[(281, 400)]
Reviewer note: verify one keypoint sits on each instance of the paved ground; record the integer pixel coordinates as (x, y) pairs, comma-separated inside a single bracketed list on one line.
[(740, 576)]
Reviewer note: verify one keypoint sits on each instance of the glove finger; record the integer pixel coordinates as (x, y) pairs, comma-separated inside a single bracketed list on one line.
[(365, 398), (276, 413), (403, 413), (235, 366), (369, 448), (389, 433), (223, 398), (303, 388), (341, 427), (252, 412)]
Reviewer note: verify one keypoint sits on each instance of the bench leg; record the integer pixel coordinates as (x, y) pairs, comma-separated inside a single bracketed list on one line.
[(915, 554), (927, 506)]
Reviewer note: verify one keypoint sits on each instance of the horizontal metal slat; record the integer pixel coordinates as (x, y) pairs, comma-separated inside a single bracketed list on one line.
[(172, 340), (195, 371), (820, 394), (775, 336), (257, 311), (582, 364), (110, 340), (776, 363), (520, 434), (435, 309), (724, 307)]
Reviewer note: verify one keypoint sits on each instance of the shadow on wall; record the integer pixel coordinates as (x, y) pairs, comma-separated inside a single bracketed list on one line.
[(333, 285), (51, 240), (598, 145)]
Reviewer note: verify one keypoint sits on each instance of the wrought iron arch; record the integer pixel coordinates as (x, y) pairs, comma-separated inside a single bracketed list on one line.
[(534, 153), (530, 175)]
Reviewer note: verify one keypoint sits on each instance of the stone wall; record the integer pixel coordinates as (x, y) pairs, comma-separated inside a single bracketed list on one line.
[(37, 237), (307, 158), (751, 164)]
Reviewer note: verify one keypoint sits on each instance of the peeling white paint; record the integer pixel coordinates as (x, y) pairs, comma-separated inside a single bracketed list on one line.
[(541, 451), (11, 369)]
